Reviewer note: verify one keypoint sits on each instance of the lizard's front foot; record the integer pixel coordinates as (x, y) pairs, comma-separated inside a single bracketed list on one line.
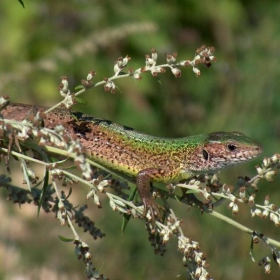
[(143, 180), (151, 209)]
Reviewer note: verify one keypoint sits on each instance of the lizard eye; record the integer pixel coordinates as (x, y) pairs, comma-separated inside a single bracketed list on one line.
[(205, 154), (231, 147)]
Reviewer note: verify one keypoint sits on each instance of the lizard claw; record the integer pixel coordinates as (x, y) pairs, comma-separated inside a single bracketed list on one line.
[(151, 210)]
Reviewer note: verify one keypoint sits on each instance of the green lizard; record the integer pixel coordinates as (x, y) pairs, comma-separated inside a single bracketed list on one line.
[(145, 157)]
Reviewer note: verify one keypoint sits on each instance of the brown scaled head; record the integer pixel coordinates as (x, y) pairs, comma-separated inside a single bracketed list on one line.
[(223, 149)]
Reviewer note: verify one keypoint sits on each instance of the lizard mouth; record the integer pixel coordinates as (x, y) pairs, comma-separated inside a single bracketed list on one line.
[(250, 154), (247, 155)]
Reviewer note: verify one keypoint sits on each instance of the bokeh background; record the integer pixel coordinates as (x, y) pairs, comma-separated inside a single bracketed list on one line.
[(49, 39)]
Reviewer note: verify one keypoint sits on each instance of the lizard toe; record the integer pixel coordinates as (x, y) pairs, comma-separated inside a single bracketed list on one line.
[(151, 210)]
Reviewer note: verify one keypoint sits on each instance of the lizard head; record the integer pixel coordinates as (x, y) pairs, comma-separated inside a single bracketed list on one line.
[(223, 149)]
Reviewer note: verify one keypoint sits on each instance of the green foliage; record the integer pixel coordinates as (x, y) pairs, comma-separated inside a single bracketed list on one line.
[(21, 2)]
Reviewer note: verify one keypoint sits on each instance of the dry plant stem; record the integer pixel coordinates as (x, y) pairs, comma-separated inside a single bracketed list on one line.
[(225, 218), (203, 55), (224, 197), (77, 237), (19, 155), (57, 192), (68, 218), (95, 85), (128, 203), (239, 226), (237, 186), (208, 211)]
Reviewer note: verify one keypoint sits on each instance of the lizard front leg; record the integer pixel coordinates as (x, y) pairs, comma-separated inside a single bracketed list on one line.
[(143, 180)]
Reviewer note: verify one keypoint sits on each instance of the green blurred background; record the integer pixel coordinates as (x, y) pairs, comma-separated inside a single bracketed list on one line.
[(49, 39)]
